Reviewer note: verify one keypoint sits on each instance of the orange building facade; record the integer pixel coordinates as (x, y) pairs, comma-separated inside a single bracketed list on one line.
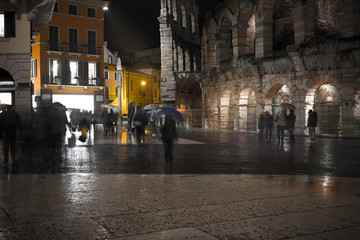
[(68, 58), (142, 87)]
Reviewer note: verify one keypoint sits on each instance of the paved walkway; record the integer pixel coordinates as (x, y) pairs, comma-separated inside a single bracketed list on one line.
[(79, 198)]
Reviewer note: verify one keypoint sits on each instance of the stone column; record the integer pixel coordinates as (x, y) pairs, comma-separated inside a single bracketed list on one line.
[(264, 28), (349, 18), (167, 76), (304, 25)]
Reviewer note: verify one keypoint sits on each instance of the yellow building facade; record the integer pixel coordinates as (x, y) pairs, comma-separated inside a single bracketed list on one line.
[(141, 87), (68, 58)]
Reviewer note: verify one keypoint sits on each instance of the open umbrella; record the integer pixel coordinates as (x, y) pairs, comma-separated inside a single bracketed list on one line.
[(150, 107), (288, 106), (171, 113)]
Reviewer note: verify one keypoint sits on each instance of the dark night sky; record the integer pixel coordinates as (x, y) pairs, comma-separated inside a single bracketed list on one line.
[(132, 25)]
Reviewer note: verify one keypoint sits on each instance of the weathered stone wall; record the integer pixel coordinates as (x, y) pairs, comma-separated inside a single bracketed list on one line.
[(304, 70)]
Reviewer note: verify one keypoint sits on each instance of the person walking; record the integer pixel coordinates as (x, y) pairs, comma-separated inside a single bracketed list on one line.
[(168, 134), (281, 125), (261, 126), (10, 129), (269, 122), (153, 118), (140, 122), (312, 124), (290, 125)]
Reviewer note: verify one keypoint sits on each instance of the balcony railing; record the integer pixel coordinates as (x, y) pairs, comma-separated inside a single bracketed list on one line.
[(53, 46), (73, 48), (91, 50)]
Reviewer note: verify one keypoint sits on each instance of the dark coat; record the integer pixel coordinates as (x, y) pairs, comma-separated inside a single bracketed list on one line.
[(312, 120), (269, 121), (290, 121), (168, 130), (262, 120)]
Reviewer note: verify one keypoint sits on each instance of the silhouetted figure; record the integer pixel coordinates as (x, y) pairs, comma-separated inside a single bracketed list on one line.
[(131, 113), (290, 125), (140, 122), (312, 124), (261, 126), (10, 130), (168, 134), (269, 122), (281, 125), (105, 120), (153, 118)]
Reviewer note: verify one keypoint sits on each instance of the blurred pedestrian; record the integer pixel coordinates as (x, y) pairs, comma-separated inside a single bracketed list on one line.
[(281, 124), (10, 130), (168, 134), (153, 118), (269, 122), (111, 122), (105, 120), (140, 122), (312, 124), (290, 125), (261, 126), (131, 113)]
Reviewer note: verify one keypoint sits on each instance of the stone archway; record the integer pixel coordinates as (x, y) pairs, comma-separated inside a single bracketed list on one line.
[(7, 90), (224, 110), (282, 95), (327, 105), (189, 95), (247, 110)]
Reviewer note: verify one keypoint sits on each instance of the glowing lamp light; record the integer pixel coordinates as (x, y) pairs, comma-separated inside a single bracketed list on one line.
[(105, 8), (143, 83)]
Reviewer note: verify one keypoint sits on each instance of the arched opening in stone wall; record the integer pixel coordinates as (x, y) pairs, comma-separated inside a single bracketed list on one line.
[(357, 112), (247, 110), (225, 40), (193, 23), (212, 103), (209, 57), (283, 23), (224, 110), (327, 106), (174, 9), (246, 27), (327, 17), (189, 96), (7, 90), (183, 17), (282, 95)]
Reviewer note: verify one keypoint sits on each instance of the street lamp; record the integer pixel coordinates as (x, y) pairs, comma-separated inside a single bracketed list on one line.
[(143, 83)]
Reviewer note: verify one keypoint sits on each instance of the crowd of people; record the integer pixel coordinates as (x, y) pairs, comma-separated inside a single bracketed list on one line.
[(284, 122), (48, 126)]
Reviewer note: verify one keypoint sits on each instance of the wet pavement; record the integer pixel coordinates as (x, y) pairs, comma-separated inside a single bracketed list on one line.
[(196, 152), (223, 185)]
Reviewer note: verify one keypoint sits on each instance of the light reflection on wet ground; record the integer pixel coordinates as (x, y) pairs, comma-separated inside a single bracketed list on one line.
[(196, 152)]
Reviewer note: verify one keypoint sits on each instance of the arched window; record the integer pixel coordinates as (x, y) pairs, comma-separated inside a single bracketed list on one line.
[(183, 14)]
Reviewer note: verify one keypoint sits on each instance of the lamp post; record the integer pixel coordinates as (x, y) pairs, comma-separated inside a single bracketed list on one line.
[(143, 83)]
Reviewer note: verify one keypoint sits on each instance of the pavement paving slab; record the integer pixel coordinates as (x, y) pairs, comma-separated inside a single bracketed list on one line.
[(223, 185)]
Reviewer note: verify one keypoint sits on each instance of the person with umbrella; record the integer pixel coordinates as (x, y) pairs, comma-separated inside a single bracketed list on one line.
[(290, 125), (153, 117), (140, 122), (168, 134), (281, 124)]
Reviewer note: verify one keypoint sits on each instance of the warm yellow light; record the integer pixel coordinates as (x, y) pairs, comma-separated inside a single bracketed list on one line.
[(143, 83)]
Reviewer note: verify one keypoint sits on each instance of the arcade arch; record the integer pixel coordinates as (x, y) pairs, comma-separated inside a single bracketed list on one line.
[(247, 110), (7, 88)]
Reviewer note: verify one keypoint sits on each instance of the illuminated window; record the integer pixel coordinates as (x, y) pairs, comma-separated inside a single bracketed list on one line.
[(106, 73), (7, 24), (33, 68), (74, 72), (54, 71), (2, 25), (92, 73)]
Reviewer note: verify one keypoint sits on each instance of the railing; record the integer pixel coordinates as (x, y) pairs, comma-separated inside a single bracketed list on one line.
[(73, 48), (53, 46)]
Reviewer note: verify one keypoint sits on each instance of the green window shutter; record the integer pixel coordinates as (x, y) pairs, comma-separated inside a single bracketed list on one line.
[(86, 74)]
